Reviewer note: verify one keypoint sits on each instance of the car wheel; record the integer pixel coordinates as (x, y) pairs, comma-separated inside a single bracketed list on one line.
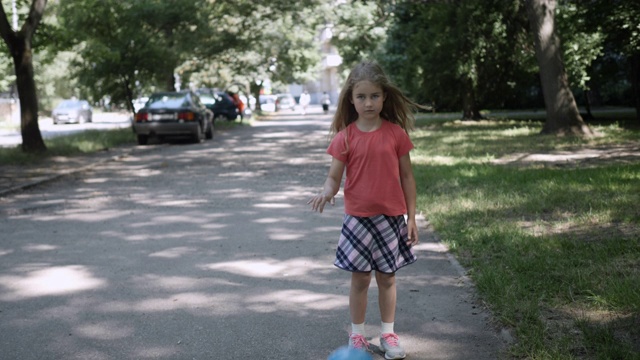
[(209, 133), (143, 139), (199, 135)]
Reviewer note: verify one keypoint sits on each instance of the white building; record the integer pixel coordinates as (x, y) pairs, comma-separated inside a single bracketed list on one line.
[(327, 80)]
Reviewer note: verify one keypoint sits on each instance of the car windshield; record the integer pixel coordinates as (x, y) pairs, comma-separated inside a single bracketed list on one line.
[(70, 104), (207, 99), (267, 99), (170, 101)]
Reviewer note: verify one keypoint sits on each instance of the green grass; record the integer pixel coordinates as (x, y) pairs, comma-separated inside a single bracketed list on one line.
[(70, 145), (553, 248)]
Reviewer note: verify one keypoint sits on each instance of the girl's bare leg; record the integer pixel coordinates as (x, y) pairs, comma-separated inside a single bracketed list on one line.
[(386, 296), (358, 296)]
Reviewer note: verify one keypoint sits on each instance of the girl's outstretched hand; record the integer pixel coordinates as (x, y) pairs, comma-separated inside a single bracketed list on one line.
[(317, 202), (413, 232)]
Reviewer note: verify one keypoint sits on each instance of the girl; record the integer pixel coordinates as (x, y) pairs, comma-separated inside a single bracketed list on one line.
[(370, 140)]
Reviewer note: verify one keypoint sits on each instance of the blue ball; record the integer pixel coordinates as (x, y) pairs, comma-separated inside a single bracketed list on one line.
[(344, 353)]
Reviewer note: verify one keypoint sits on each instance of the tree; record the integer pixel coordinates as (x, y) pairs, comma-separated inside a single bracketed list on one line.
[(361, 29), (126, 48), (563, 116), (276, 42), (619, 26), (129, 48), (466, 56), (582, 44), (20, 47)]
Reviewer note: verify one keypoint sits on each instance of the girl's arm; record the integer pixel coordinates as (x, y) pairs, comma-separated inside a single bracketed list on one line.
[(409, 189), (331, 186)]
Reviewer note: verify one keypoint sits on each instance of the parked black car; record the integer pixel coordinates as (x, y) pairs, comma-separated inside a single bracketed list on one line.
[(173, 114), (220, 103)]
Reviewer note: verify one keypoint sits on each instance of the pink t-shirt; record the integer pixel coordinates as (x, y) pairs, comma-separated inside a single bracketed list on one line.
[(372, 185)]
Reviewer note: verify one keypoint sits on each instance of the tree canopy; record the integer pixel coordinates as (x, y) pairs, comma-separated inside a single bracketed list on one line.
[(459, 56)]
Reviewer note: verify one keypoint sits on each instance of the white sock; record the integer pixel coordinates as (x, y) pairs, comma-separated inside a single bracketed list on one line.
[(387, 328), (357, 329)]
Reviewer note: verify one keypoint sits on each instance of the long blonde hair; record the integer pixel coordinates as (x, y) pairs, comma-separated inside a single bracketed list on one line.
[(397, 108)]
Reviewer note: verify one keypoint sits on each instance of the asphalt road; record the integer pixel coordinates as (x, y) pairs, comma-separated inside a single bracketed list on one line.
[(209, 251)]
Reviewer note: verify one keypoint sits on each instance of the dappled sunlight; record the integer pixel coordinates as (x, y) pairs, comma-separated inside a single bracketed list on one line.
[(244, 174), (175, 235), (218, 304), (269, 267), (154, 352), (180, 203), (39, 247), (96, 180), (234, 193), (286, 234), (431, 247), (277, 220), (293, 135), (175, 252), (188, 248), (299, 301), (416, 282), (180, 283), (145, 172), (184, 218), (49, 281), (280, 196), (274, 206), (86, 215), (104, 330)]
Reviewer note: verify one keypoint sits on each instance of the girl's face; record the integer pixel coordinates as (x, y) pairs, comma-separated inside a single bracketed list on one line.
[(368, 99)]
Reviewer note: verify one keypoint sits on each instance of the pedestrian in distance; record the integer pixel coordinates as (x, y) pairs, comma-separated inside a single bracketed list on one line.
[(238, 103), (370, 140), (305, 99), (326, 101)]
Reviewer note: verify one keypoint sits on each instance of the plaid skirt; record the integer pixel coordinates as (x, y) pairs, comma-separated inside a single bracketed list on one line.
[(373, 243)]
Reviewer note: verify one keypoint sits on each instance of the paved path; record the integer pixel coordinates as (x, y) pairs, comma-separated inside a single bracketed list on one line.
[(208, 251)]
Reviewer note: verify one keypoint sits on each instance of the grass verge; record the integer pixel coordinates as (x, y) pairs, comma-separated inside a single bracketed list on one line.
[(70, 145), (552, 246)]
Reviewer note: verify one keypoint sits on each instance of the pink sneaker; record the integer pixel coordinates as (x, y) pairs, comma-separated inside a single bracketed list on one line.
[(359, 342), (390, 344)]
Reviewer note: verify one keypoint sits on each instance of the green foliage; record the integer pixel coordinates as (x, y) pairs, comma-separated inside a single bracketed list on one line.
[(276, 45), (582, 43), (440, 52), (360, 29), (128, 49), (552, 246)]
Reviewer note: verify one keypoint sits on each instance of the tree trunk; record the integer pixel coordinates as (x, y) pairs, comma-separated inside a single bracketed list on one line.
[(19, 44), (254, 88), (171, 82), (635, 83), (470, 109), (31, 137), (563, 116), (587, 105)]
